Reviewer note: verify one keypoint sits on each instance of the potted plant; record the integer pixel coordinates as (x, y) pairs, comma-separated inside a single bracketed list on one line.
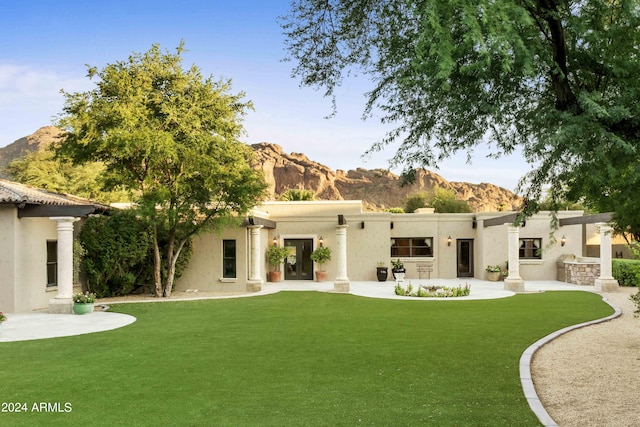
[(493, 272), (276, 256), (398, 270), (321, 255), (382, 272), (83, 302)]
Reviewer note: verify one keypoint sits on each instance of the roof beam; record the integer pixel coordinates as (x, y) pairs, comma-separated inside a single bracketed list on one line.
[(501, 220), (588, 219), (45, 211)]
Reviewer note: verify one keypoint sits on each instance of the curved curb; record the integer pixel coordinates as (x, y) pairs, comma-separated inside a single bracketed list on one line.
[(525, 366)]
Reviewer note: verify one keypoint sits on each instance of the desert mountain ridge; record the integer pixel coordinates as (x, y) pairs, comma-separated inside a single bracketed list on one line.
[(377, 188)]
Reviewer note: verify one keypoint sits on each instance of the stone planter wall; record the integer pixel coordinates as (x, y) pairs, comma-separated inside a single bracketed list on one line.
[(582, 273)]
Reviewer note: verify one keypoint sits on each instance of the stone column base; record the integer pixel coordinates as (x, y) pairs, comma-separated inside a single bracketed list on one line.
[(341, 286), (61, 306), (254, 285), (606, 285), (514, 285)]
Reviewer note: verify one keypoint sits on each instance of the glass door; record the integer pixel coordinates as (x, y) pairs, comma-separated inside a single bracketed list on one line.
[(465, 257), (298, 265)]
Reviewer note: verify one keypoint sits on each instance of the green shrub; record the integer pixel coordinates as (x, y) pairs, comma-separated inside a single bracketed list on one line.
[(432, 291), (116, 247), (118, 254), (626, 271), (396, 210)]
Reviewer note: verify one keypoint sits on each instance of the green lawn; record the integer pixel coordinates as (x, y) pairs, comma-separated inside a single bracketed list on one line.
[(294, 358)]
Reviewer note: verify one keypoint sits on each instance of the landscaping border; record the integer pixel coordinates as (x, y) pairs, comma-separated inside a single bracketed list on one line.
[(525, 365)]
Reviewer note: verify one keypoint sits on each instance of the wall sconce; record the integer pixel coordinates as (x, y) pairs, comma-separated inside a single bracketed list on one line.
[(320, 241), (449, 241), (275, 240), (563, 240), (362, 224)]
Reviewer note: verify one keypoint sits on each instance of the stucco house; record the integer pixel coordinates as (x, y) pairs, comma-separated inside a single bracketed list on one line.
[(37, 230), (431, 245), (36, 237)]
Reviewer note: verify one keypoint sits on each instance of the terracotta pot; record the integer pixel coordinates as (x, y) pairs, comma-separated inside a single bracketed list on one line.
[(275, 276), (321, 276)]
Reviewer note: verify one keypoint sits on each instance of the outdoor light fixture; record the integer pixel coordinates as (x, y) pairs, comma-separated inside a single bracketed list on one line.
[(320, 241), (563, 240), (275, 240), (449, 241)]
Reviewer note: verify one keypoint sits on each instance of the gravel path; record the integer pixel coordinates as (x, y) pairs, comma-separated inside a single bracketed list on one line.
[(591, 376)]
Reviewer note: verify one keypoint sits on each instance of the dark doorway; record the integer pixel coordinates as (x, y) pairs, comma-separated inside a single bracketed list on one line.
[(465, 257), (298, 265)]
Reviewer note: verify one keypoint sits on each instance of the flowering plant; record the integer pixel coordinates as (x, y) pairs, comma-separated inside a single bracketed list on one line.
[(2, 317), (493, 269), (84, 298)]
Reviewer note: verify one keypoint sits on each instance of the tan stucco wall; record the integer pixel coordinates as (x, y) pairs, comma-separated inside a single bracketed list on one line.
[(23, 261), (7, 259), (31, 262), (369, 237), (204, 272), (493, 249)]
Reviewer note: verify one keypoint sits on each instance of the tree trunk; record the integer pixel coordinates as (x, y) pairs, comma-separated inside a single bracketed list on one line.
[(171, 266), (170, 271), (565, 98), (157, 264)]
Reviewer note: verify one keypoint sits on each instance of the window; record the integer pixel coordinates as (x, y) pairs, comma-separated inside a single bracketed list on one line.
[(412, 247), (229, 259), (530, 249), (52, 263)]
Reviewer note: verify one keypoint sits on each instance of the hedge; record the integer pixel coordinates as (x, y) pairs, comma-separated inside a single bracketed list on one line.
[(626, 271)]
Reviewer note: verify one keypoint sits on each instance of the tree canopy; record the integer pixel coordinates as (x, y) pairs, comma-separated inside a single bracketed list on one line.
[(297, 194), (557, 78), (41, 169), (171, 136), (441, 200)]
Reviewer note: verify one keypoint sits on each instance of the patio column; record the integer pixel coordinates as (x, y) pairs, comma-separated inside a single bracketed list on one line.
[(514, 282), (62, 303), (341, 283), (606, 282), (254, 284)]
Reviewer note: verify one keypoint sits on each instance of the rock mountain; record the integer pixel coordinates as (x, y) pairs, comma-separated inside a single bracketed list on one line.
[(377, 188)]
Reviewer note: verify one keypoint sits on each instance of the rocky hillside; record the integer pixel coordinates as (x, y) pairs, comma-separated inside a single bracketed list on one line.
[(377, 188), (17, 149)]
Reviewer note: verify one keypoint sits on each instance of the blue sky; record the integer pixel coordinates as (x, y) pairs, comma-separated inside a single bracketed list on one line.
[(44, 46)]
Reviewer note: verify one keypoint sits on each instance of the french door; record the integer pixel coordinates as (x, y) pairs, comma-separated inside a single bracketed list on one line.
[(298, 265)]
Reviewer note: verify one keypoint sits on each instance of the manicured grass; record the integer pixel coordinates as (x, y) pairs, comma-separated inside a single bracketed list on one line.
[(294, 358)]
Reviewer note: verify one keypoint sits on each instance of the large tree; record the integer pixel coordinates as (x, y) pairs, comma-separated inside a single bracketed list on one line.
[(558, 78), (171, 136)]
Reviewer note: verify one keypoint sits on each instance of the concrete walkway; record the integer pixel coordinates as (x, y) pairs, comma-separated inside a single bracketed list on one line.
[(39, 325)]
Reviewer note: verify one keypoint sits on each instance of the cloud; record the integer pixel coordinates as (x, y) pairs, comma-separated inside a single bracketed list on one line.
[(30, 97)]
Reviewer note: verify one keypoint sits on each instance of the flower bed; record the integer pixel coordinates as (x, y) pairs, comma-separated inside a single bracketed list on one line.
[(433, 291)]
